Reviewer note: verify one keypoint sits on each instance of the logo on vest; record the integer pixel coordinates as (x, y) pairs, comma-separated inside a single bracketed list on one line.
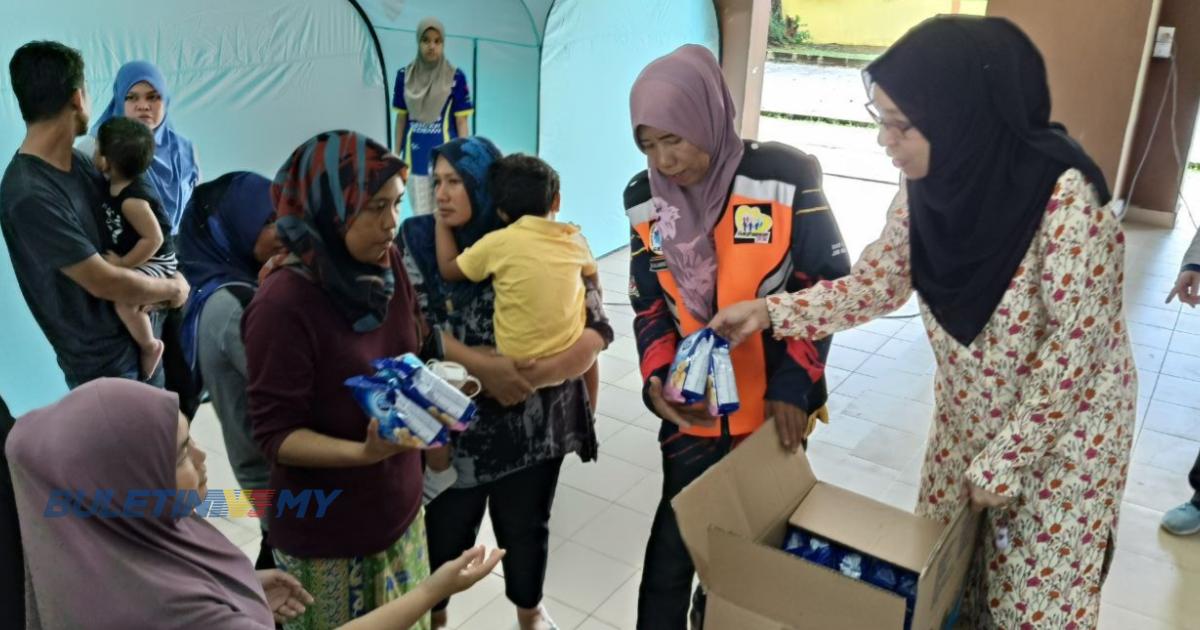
[(658, 262), (753, 223), (656, 241)]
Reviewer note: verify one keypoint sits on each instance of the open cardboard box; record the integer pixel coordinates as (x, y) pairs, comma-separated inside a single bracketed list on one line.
[(734, 519)]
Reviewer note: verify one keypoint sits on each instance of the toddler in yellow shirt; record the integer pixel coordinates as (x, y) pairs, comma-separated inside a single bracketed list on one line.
[(536, 264)]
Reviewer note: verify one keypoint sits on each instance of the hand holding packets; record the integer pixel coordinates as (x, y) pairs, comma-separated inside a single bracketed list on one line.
[(703, 371), (414, 406)]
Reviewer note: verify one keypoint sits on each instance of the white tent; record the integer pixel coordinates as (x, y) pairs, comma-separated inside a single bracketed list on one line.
[(252, 79)]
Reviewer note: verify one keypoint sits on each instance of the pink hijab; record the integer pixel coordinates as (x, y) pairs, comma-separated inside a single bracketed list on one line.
[(114, 572), (684, 93)]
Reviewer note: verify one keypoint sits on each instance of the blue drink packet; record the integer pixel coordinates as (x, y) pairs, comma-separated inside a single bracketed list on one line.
[(687, 380), (375, 395), (881, 574), (437, 397), (820, 552), (795, 541), (906, 586), (722, 388), (401, 421), (851, 565)]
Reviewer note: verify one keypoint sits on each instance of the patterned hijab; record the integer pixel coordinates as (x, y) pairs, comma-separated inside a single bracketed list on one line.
[(427, 84), (173, 172), (684, 93), (471, 158), (116, 436), (317, 194)]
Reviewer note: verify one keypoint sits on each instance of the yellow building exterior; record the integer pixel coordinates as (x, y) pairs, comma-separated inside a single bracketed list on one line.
[(869, 22)]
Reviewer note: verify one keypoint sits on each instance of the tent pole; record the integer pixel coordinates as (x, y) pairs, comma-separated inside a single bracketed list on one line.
[(387, 90), (474, 71), (537, 147)]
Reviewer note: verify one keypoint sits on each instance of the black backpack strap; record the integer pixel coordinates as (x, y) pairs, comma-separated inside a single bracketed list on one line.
[(242, 292)]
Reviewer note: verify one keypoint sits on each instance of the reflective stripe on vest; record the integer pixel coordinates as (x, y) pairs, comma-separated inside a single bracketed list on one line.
[(753, 240)]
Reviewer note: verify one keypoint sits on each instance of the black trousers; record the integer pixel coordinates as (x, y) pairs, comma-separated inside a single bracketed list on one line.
[(520, 507), (1194, 479), (666, 590), (176, 371), (266, 559)]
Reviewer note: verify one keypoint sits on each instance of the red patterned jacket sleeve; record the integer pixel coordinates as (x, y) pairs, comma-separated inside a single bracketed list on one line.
[(653, 325), (796, 366)]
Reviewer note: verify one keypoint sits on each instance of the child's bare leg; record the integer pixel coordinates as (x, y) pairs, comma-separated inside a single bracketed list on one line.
[(591, 379), (138, 324)]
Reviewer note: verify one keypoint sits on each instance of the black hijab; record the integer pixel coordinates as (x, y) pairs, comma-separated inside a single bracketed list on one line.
[(976, 89)]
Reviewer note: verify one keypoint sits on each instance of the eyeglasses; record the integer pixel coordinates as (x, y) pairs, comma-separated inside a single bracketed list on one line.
[(900, 127)]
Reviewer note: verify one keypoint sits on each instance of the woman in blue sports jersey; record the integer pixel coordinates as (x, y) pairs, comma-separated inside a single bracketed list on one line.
[(433, 106)]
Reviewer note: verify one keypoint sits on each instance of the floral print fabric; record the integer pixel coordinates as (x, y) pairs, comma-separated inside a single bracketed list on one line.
[(1039, 408)]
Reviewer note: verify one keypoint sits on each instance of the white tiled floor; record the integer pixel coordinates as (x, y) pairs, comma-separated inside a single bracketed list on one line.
[(881, 404)]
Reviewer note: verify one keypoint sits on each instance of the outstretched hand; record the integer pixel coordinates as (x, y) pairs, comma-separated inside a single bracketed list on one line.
[(1187, 288), (738, 322), (462, 573), (286, 597)]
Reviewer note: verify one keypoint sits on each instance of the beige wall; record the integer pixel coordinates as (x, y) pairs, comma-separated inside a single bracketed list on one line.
[(1095, 53), (743, 56), (1158, 186)]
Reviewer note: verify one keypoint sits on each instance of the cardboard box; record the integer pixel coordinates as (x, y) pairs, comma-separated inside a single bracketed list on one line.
[(735, 516)]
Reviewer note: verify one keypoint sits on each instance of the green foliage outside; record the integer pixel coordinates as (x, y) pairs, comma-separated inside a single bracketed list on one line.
[(785, 31)]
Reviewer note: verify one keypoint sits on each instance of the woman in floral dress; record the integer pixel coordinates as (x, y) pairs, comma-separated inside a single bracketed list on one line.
[(1001, 229)]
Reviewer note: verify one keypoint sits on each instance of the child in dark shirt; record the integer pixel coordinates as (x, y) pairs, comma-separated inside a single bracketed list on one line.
[(136, 229)]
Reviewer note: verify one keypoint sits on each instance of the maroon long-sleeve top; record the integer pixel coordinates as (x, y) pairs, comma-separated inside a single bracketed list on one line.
[(299, 352)]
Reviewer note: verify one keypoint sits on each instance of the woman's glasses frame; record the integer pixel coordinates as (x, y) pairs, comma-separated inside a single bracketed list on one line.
[(899, 127)]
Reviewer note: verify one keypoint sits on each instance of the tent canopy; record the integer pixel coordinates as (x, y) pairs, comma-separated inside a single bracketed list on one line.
[(250, 81)]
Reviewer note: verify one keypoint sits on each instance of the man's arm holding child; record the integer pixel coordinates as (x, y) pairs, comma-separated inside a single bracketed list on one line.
[(141, 218), (54, 232), (125, 286)]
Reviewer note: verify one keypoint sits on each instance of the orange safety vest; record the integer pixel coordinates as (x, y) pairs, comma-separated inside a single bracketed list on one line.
[(752, 239)]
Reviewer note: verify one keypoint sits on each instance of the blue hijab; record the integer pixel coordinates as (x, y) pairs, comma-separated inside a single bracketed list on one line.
[(174, 172), (216, 244), (471, 158)]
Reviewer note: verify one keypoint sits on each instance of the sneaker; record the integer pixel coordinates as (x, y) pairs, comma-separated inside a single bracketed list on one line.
[(1183, 520), (541, 621)]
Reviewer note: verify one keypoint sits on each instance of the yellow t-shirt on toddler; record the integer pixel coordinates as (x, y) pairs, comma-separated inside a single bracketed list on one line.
[(537, 267)]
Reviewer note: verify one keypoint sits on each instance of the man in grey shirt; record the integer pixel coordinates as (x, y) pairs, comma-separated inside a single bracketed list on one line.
[(48, 198)]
